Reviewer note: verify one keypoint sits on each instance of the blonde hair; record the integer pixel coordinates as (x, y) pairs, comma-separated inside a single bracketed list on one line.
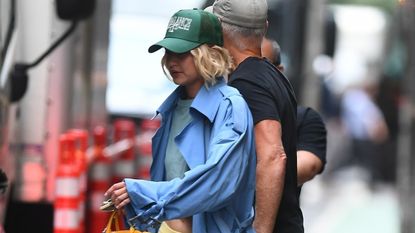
[(211, 62)]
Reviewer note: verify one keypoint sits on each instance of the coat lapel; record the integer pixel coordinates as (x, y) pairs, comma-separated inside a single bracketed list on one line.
[(189, 143)]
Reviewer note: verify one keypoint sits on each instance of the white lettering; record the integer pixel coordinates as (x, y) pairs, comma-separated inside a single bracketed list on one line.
[(181, 23)]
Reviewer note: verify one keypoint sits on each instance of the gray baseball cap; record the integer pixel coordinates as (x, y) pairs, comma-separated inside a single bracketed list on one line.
[(243, 13)]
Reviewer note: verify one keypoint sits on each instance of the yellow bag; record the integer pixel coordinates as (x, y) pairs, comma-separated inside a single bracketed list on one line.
[(114, 221)]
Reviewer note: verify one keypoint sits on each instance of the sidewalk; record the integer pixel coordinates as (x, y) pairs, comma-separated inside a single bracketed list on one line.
[(347, 205)]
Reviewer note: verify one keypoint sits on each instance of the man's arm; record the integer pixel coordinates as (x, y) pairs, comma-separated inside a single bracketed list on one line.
[(311, 144), (271, 165), (308, 166)]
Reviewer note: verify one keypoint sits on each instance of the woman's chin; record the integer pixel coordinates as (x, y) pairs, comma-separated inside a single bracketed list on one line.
[(177, 81)]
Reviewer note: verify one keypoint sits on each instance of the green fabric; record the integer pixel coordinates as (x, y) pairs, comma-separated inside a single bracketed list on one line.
[(188, 29)]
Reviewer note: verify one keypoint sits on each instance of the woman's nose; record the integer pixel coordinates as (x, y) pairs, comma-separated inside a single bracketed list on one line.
[(169, 57)]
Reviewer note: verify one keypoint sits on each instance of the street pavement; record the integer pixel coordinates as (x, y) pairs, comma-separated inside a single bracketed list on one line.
[(346, 203)]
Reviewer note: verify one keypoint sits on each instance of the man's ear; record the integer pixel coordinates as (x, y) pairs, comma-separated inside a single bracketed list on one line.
[(266, 27), (280, 68)]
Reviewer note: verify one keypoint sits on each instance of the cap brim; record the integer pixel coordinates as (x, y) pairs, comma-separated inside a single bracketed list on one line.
[(174, 44)]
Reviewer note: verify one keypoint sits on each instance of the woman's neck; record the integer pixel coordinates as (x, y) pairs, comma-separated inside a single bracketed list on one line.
[(192, 90)]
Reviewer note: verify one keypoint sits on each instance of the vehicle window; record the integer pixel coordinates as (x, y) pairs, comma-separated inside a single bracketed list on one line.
[(136, 82), (4, 24)]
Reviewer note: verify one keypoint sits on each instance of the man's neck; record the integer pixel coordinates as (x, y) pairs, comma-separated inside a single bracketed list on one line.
[(240, 55)]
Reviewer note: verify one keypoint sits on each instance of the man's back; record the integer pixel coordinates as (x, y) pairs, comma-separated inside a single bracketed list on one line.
[(270, 97)]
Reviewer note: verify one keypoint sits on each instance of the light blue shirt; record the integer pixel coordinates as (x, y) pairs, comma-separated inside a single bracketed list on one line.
[(218, 145)]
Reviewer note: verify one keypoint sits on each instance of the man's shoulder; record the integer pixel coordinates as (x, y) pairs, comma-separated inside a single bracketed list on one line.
[(257, 70), (308, 114), (301, 112), (251, 65)]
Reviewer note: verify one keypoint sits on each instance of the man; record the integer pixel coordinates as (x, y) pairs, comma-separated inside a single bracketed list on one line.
[(366, 126), (311, 131), (311, 145), (272, 50), (273, 106)]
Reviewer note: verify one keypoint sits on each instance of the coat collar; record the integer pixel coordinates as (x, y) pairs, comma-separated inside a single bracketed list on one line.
[(206, 101)]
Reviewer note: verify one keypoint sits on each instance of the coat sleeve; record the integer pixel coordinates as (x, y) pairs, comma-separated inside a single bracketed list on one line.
[(206, 187)]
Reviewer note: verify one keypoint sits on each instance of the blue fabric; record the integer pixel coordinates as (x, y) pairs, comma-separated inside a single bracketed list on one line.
[(218, 145)]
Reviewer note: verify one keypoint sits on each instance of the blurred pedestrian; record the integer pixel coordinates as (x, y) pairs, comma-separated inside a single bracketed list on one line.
[(366, 126), (273, 105), (203, 171), (271, 49)]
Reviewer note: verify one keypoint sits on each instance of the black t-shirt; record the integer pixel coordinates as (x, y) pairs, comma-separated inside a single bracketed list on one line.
[(270, 96), (311, 134)]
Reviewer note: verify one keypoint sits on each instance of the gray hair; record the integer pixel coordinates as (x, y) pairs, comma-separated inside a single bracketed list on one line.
[(244, 37)]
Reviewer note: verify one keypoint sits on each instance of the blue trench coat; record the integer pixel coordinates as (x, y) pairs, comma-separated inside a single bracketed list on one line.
[(218, 146)]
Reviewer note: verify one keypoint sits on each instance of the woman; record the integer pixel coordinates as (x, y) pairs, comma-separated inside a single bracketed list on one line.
[(203, 171)]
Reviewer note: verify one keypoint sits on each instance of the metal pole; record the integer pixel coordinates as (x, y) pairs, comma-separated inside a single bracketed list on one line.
[(313, 46), (406, 142)]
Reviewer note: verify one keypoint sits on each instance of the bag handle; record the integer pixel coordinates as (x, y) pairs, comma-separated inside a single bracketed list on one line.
[(114, 221)]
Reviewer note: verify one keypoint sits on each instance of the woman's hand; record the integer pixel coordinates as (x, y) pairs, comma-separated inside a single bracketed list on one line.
[(118, 194)]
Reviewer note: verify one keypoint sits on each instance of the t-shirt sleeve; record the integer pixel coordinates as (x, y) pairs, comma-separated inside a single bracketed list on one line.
[(260, 101), (311, 133)]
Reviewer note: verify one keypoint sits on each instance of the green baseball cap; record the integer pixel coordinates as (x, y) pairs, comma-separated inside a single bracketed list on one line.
[(188, 29)]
